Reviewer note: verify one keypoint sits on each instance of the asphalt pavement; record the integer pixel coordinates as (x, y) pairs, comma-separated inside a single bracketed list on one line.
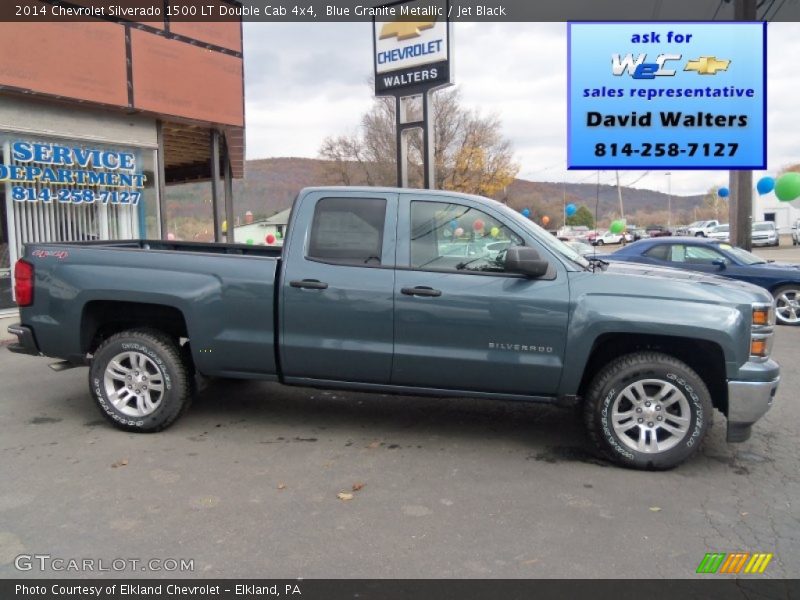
[(246, 484)]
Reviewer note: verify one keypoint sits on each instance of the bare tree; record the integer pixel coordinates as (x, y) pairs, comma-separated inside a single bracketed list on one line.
[(471, 155)]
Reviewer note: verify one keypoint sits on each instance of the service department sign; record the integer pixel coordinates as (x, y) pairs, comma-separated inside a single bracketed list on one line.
[(411, 43)]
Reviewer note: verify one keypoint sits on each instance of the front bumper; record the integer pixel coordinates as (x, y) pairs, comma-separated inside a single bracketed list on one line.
[(764, 241), (748, 401), (26, 343)]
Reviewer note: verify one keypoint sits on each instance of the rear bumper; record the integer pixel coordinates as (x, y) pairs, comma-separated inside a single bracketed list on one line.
[(748, 401), (26, 343)]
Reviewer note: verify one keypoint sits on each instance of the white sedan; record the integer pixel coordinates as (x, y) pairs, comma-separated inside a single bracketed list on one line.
[(611, 238)]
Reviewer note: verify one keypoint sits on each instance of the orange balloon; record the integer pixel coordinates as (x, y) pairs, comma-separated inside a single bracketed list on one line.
[(545, 219)]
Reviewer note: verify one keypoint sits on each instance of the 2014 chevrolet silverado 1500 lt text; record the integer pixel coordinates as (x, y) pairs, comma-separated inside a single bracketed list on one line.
[(408, 291)]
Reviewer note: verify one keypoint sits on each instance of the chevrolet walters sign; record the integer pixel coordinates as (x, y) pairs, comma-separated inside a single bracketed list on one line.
[(412, 50)]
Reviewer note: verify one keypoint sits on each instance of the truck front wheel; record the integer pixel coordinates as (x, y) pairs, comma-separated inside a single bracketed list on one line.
[(140, 380), (647, 410)]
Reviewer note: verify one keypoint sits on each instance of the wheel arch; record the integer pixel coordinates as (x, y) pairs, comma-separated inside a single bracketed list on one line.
[(100, 319), (705, 357)]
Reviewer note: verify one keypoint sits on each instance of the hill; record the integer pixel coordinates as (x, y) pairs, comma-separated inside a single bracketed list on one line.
[(270, 185)]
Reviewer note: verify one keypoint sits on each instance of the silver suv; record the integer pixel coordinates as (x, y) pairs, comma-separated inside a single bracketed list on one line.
[(765, 234)]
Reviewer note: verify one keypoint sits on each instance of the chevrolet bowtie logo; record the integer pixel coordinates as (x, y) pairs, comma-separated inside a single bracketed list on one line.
[(405, 30), (707, 65)]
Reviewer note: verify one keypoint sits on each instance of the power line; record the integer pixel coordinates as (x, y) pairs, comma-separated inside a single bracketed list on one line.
[(777, 10)]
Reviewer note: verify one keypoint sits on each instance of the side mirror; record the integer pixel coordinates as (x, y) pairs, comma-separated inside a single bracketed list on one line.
[(525, 261), (721, 263)]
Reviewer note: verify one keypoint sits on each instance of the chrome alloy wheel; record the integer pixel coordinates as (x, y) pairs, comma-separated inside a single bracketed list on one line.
[(787, 306), (134, 384), (650, 416)]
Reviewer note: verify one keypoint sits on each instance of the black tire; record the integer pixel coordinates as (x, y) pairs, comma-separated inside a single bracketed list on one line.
[(163, 357), (607, 391), (782, 315), (699, 234), (599, 243)]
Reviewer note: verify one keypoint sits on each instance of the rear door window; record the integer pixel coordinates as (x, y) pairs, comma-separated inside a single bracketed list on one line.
[(348, 231)]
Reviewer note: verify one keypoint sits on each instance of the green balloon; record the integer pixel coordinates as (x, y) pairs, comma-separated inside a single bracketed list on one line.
[(249, 241), (787, 187), (617, 226)]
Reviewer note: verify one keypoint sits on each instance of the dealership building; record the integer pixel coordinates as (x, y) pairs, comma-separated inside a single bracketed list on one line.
[(93, 131)]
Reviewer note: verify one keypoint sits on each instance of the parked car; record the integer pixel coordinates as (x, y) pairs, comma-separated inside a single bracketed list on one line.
[(782, 280), (582, 248), (698, 228), (657, 231), (611, 238), (638, 233), (721, 233), (766, 234), (570, 232), (361, 297), (796, 233)]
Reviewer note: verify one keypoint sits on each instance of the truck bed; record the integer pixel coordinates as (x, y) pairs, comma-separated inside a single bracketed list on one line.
[(221, 297), (176, 246)]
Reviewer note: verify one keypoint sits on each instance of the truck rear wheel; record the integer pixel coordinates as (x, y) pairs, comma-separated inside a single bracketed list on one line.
[(140, 380), (647, 410)]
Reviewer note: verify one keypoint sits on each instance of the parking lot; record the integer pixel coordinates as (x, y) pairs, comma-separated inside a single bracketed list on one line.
[(246, 484)]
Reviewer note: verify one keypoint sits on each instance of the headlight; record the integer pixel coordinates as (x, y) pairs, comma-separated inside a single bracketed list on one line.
[(761, 331)]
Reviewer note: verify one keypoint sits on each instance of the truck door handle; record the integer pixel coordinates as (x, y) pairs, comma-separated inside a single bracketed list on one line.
[(309, 284), (421, 290)]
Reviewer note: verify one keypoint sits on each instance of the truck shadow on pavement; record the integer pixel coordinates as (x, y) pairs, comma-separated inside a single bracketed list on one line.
[(547, 433)]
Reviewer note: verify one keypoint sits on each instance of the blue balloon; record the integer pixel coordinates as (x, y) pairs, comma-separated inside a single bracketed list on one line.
[(723, 192), (453, 224), (765, 185), (526, 212), (571, 209)]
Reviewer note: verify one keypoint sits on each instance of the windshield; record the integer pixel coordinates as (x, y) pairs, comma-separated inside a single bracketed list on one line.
[(543, 236), (763, 227), (743, 256), (697, 224), (721, 228)]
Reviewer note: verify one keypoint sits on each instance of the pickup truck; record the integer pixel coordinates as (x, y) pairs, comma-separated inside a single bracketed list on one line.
[(699, 228), (368, 294)]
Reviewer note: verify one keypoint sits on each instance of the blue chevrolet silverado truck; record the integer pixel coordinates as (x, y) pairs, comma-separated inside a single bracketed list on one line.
[(408, 291)]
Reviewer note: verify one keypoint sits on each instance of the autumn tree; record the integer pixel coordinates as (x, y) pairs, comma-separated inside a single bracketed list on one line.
[(583, 216), (470, 153)]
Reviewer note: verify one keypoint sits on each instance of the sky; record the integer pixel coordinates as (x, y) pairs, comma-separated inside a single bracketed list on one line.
[(307, 81)]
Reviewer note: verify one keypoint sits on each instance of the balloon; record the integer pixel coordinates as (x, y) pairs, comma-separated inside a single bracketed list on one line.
[(453, 224), (545, 220), (249, 241), (477, 225), (170, 236), (571, 209), (723, 192), (278, 234), (458, 232), (495, 231), (447, 233), (526, 212), (224, 227), (270, 239), (617, 226), (787, 187), (765, 185)]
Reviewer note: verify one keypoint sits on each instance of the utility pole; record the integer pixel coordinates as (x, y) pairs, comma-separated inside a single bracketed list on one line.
[(619, 194), (740, 183), (669, 199)]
